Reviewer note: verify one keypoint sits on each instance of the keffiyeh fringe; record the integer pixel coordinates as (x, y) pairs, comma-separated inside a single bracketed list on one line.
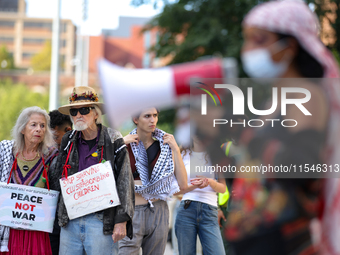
[(6, 161), (162, 183)]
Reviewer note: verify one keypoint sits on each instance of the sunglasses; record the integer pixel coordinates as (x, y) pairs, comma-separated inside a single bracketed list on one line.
[(83, 111)]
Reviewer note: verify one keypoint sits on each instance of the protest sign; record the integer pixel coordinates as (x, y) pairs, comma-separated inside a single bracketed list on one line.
[(90, 190), (27, 207)]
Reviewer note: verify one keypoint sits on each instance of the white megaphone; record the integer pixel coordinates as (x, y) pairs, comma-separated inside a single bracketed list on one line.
[(127, 92)]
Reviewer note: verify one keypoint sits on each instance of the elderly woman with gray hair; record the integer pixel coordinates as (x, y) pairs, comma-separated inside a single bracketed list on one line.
[(28, 155)]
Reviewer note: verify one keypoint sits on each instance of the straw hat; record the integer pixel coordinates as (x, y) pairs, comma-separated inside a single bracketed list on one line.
[(82, 96)]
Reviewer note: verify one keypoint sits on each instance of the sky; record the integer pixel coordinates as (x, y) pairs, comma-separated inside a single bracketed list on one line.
[(101, 13)]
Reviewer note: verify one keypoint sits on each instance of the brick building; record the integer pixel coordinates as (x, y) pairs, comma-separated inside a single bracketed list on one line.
[(25, 36), (125, 46)]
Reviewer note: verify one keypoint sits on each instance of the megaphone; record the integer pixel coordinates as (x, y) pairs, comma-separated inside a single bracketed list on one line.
[(127, 92)]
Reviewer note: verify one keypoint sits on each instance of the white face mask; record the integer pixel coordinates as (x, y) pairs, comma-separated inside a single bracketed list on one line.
[(259, 64)]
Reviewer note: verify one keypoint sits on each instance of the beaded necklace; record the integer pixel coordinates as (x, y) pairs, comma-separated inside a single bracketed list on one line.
[(15, 167)]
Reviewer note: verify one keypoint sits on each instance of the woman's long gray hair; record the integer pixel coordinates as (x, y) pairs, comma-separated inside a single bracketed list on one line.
[(24, 117)]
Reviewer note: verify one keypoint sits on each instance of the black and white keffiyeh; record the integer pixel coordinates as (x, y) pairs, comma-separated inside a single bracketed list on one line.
[(162, 183), (6, 161)]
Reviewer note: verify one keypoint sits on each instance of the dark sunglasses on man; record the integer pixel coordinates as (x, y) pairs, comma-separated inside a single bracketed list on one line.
[(82, 111)]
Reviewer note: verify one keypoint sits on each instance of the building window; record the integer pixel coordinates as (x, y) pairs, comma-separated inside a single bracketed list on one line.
[(6, 23), (28, 54), (63, 43), (62, 60), (63, 27), (9, 5), (6, 39), (38, 25), (34, 40)]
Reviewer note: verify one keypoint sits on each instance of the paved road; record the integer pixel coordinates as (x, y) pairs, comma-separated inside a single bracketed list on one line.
[(168, 249)]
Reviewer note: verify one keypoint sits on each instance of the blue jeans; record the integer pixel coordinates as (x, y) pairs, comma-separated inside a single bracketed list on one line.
[(85, 234), (198, 219)]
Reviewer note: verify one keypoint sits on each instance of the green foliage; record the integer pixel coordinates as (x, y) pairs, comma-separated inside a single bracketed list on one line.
[(42, 60), (325, 9), (14, 98), (167, 127), (192, 29), (166, 116), (336, 24), (6, 59), (336, 55)]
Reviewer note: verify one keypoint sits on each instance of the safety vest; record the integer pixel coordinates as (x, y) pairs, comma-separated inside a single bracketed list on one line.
[(224, 197)]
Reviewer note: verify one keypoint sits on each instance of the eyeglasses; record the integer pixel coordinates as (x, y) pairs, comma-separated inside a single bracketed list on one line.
[(83, 111)]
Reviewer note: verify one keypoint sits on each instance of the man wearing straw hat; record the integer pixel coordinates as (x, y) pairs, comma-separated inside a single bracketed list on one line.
[(89, 144)]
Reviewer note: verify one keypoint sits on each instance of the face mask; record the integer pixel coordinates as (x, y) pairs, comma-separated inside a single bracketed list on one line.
[(259, 64)]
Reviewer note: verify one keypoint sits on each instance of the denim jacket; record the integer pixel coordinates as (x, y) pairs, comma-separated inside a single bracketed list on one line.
[(115, 151)]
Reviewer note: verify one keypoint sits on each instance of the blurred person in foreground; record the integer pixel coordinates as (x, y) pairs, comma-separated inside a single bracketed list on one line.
[(273, 215), (60, 124), (281, 41), (158, 172), (199, 202), (29, 154), (89, 144)]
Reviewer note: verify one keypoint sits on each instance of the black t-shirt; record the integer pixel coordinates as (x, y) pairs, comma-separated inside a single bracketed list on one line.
[(91, 143)]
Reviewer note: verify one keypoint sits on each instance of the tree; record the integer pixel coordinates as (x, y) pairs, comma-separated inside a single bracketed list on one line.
[(191, 29), (42, 60), (6, 59), (330, 10), (336, 24), (13, 98)]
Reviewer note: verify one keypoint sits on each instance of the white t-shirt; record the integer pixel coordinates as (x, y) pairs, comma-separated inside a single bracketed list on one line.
[(206, 195)]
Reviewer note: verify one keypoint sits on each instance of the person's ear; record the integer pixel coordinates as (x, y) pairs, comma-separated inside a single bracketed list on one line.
[(67, 129), (135, 120)]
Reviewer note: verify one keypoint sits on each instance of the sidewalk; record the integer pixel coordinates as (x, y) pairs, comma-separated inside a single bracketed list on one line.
[(168, 249)]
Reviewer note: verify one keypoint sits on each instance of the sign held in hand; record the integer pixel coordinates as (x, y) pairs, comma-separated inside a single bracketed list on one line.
[(26, 207), (90, 190)]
